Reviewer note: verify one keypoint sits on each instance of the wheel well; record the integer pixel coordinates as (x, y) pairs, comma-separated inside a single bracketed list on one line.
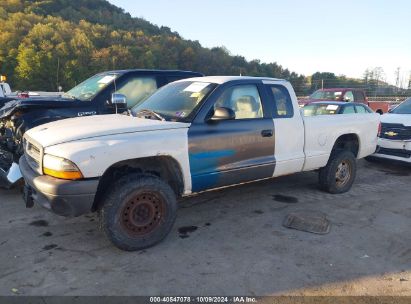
[(379, 111), (165, 167), (348, 142)]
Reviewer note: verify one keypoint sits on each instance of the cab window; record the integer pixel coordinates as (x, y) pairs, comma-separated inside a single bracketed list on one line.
[(359, 96), (349, 96), (244, 100), (361, 109), (348, 110), (137, 88), (283, 106)]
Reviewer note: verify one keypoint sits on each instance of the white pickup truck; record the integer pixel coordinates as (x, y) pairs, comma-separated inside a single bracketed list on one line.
[(192, 135)]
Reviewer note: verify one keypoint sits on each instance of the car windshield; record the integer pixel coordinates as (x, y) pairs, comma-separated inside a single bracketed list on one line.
[(177, 101), (320, 109), (404, 108), (330, 95), (91, 87)]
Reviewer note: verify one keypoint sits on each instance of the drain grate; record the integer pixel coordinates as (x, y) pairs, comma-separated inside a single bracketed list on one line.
[(309, 221)]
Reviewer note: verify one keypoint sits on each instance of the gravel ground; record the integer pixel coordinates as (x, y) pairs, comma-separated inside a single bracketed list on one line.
[(226, 242)]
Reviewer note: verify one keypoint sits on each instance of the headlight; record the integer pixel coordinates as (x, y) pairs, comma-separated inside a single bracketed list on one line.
[(60, 168)]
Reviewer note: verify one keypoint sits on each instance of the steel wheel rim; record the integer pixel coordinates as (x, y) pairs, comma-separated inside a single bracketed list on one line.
[(142, 213), (343, 173)]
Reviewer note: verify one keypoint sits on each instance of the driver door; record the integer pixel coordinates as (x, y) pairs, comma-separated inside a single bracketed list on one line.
[(233, 151)]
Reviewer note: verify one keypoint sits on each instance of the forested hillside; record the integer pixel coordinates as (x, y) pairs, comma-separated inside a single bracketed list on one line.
[(47, 43)]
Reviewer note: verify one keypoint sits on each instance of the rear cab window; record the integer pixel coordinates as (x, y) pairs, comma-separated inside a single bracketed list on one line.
[(283, 106), (359, 96)]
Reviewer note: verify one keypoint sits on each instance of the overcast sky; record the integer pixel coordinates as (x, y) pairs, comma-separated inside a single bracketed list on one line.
[(343, 37)]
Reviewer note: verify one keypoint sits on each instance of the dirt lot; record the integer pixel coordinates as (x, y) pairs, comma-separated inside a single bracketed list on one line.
[(231, 241)]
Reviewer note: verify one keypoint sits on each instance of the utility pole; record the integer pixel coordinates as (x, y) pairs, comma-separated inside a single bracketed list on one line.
[(322, 84), (58, 70), (397, 79)]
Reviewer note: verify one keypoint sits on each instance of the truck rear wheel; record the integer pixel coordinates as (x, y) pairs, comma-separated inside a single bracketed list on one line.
[(139, 212), (339, 173)]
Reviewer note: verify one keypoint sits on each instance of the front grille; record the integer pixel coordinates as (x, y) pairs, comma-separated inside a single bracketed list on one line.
[(34, 154), (395, 152), (395, 131)]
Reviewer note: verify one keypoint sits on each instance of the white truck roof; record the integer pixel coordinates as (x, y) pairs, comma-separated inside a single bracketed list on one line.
[(223, 79)]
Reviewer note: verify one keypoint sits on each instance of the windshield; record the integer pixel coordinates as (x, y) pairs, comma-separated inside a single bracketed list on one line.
[(320, 109), (91, 87), (404, 108), (326, 95), (177, 101)]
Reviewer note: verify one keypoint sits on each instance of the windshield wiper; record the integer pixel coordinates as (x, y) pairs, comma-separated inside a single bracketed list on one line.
[(156, 115)]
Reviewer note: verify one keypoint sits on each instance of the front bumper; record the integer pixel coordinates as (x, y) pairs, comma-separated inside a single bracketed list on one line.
[(394, 149), (62, 197)]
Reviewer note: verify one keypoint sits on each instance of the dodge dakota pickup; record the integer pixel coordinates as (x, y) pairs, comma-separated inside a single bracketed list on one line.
[(91, 97), (190, 136)]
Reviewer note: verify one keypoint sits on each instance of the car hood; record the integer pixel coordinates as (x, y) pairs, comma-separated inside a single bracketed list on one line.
[(34, 102), (79, 128), (404, 119)]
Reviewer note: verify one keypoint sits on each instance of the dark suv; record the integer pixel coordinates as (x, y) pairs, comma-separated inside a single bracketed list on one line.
[(91, 97)]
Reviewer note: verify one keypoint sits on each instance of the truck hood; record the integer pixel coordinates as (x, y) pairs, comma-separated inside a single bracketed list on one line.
[(34, 102), (404, 119), (78, 128)]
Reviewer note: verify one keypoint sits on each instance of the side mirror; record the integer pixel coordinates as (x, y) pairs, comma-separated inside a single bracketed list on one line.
[(118, 99), (223, 114)]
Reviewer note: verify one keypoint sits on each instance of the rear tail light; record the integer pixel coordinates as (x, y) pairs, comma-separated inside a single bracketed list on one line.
[(23, 95), (379, 130)]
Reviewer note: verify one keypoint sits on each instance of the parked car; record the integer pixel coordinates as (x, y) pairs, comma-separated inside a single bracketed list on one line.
[(91, 97), (190, 136), (335, 107), (346, 95), (395, 137)]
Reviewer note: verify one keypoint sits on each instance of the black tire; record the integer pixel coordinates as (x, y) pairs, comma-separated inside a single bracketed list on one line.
[(138, 212), (339, 173)]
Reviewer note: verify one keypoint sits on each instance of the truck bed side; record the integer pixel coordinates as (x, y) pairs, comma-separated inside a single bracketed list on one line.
[(322, 132)]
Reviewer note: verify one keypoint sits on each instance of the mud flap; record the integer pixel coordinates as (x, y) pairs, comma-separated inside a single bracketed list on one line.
[(28, 196)]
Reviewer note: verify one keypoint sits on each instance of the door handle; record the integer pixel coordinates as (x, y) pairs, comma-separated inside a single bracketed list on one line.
[(267, 133)]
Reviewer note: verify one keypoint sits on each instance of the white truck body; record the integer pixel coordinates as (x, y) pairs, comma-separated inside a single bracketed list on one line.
[(190, 136), (96, 143)]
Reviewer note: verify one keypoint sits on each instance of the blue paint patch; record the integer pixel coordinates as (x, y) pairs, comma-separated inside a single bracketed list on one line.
[(212, 154), (203, 168)]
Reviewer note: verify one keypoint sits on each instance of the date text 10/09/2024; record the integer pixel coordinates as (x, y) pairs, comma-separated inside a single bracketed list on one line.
[(199, 299)]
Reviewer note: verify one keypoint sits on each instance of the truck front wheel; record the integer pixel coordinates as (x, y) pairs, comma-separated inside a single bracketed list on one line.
[(139, 212), (339, 173)]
